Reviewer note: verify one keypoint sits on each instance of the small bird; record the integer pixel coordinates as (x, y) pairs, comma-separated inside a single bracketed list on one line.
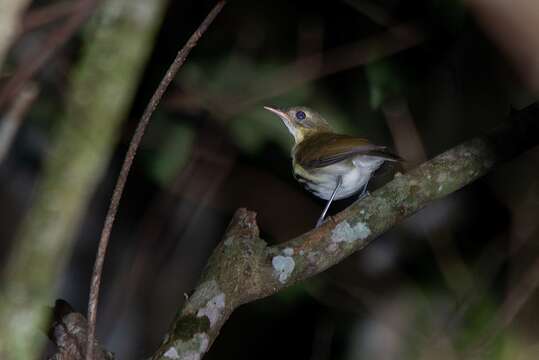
[(331, 166)]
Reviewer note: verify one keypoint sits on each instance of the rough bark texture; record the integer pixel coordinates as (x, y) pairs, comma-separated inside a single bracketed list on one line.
[(104, 81), (69, 332), (13, 118), (135, 142), (244, 268), (10, 21)]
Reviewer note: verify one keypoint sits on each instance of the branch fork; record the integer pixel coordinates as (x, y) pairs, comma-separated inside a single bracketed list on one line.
[(244, 268)]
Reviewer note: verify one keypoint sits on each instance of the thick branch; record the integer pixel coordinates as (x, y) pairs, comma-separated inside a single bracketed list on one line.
[(10, 15), (50, 46), (230, 274), (178, 62), (243, 268), (69, 331)]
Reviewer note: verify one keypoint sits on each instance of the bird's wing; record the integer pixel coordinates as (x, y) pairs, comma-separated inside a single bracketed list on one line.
[(325, 149)]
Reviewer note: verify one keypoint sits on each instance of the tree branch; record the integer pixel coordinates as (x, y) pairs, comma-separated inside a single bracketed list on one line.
[(12, 120), (126, 167), (244, 268), (68, 330), (51, 45), (101, 91), (9, 24)]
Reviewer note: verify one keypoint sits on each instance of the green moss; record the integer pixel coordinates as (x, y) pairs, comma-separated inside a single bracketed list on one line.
[(384, 82), (171, 154), (189, 325)]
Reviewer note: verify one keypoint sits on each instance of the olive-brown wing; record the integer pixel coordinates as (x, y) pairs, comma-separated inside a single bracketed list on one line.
[(325, 149)]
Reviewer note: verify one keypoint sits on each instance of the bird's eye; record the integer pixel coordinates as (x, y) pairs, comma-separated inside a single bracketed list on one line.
[(300, 115)]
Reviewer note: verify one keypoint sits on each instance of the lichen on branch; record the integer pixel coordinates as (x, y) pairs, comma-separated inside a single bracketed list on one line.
[(244, 268)]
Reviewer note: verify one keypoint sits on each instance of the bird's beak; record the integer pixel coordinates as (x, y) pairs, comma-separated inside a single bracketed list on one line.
[(280, 113), (286, 120), (283, 115)]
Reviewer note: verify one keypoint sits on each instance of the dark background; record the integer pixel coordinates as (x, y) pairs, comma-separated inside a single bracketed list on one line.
[(429, 287)]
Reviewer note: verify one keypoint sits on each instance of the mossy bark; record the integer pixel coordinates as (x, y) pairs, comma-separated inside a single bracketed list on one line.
[(243, 268), (10, 21), (116, 46)]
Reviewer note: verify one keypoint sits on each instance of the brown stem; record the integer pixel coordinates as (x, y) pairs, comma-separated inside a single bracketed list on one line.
[(47, 14), (54, 42), (126, 166), (12, 120)]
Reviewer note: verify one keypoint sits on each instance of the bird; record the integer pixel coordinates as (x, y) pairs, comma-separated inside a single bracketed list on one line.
[(331, 166)]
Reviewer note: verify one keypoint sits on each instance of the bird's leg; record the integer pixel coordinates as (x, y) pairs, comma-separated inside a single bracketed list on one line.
[(321, 219), (364, 191)]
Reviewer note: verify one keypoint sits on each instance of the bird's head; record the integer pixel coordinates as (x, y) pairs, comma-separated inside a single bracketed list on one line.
[(301, 121)]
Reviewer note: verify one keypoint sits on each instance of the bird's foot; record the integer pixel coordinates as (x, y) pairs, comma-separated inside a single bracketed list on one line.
[(363, 195)]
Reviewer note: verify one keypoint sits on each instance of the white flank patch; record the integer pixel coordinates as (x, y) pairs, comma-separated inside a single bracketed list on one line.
[(283, 265)]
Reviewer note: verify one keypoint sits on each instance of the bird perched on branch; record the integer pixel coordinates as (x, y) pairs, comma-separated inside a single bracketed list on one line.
[(331, 166)]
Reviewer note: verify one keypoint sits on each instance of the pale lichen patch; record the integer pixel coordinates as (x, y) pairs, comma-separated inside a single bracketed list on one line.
[(288, 251), (192, 349), (172, 353), (205, 291), (343, 232), (332, 247), (283, 267), (313, 256), (442, 178), (214, 309)]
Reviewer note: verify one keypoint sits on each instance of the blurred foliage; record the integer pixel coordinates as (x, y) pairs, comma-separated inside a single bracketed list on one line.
[(451, 14), (221, 84), (475, 331), (456, 84), (171, 154), (384, 82), (99, 97)]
